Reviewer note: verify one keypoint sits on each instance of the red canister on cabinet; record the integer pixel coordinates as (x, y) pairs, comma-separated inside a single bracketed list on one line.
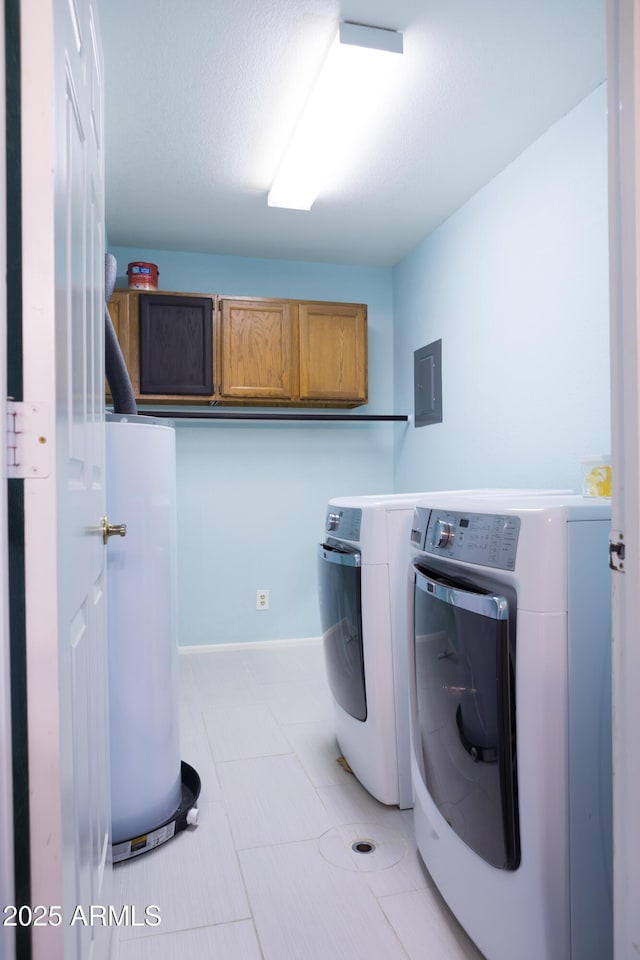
[(142, 276)]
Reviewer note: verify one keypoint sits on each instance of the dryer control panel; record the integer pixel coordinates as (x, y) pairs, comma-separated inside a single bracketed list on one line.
[(344, 522), (488, 539)]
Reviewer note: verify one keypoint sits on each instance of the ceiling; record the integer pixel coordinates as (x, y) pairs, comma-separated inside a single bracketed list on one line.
[(201, 98)]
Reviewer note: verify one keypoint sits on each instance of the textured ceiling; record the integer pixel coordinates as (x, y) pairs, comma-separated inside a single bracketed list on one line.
[(201, 98)]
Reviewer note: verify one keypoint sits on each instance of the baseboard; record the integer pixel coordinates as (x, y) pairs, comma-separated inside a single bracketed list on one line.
[(248, 645)]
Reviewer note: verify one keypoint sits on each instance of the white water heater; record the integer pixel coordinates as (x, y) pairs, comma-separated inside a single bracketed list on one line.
[(146, 776)]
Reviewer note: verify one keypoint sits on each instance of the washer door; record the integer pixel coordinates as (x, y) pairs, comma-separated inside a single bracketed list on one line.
[(341, 619), (465, 728)]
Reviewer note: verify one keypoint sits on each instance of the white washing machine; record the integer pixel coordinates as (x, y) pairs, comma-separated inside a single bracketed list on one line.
[(510, 683), (362, 592)]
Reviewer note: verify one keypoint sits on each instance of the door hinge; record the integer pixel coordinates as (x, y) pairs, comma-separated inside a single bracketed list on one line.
[(616, 551), (28, 439)]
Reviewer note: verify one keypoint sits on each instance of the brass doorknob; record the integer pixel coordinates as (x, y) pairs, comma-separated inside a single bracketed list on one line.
[(112, 530)]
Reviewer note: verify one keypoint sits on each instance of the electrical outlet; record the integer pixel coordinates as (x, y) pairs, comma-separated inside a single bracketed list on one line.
[(262, 600)]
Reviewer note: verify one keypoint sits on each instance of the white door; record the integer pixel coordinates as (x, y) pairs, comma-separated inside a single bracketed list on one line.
[(623, 81), (63, 323)]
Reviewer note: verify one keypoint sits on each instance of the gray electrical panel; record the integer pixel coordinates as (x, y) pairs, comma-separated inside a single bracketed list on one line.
[(427, 379)]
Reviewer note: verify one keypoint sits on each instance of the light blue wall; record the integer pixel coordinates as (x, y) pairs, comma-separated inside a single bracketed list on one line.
[(252, 496), (516, 285)]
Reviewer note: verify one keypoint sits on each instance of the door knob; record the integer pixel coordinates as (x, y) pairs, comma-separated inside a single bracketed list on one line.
[(112, 530)]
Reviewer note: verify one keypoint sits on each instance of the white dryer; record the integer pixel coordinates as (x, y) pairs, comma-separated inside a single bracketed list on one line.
[(509, 672), (362, 592)]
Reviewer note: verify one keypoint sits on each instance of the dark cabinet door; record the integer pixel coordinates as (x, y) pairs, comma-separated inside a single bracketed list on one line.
[(176, 345)]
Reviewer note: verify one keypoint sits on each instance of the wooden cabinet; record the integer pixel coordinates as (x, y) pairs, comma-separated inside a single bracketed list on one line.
[(262, 351), (333, 360), (307, 353), (256, 355)]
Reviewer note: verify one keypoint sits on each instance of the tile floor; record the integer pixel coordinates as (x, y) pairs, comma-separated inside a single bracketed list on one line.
[(268, 874)]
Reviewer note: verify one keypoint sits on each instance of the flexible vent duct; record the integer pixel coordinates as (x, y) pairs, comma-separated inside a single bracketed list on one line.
[(115, 367)]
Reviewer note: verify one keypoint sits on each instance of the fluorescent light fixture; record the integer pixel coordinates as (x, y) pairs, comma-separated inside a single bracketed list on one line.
[(339, 111)]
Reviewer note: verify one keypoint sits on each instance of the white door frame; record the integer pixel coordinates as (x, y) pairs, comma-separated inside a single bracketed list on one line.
[(7, 894), (623, 90), (45, 787)]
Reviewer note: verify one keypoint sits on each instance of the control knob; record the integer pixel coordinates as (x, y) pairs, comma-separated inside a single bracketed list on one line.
[(444, 533)]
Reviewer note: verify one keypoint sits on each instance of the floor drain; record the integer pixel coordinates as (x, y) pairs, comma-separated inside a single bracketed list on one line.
[(346, 845), (363, 846)]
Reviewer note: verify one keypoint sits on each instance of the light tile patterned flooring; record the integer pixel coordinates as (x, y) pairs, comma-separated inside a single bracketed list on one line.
[(268, 873)]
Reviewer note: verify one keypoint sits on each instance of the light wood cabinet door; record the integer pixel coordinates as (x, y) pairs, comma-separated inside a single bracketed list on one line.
[(333, 352), (256, 353)]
